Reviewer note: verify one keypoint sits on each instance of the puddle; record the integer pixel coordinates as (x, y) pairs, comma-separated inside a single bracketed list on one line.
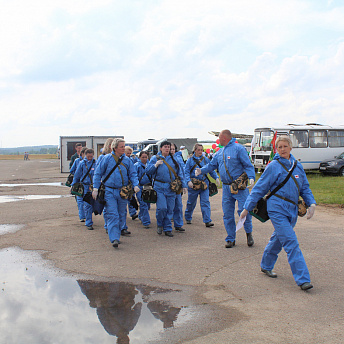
[(8, 198), (44, 306), (34, 184), (4, 229)]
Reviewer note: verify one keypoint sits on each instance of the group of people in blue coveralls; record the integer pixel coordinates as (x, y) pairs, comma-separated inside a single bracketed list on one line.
[(230, 162)]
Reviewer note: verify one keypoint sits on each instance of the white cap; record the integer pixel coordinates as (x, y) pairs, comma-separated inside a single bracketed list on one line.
[(182, 147)]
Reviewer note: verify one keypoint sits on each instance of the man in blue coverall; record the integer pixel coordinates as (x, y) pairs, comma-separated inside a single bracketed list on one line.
[(235, 158)]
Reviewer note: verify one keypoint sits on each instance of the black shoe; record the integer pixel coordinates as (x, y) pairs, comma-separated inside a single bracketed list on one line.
[(169, 234), (146, 226), (180, 229), (209, 224), (159, 230), (82, 220), (89, 228), (188, 222), (306, 286), (269, 273), (134, 217), (230, 244), (115, 243), (250, 240), (125, 232)]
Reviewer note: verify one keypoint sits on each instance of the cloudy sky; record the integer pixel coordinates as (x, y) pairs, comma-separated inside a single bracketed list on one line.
[(159, 68)]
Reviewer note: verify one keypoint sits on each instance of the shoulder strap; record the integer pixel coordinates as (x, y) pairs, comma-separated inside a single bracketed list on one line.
[(297, 185), (283, 183), (224, 161), (169, 167), (113, 169), (87, 172), (199, 165)]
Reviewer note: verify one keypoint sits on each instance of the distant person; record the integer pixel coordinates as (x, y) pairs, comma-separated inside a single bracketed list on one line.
[(79, 199), (78, 147), (283, 211), (84, 174), (231, 161), (197, 160)]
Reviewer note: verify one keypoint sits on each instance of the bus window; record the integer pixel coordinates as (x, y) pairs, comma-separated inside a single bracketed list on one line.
[(318, 138), (299, 138), (265, 140), (336, 138)]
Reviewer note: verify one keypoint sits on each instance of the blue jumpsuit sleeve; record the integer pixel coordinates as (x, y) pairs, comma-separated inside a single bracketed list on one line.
[(211, 166), (99, 172), (213, 174), (150, 169), (188, 167), (261, 188), (305, 191), (74, 167), (78, 173), (132, 173)]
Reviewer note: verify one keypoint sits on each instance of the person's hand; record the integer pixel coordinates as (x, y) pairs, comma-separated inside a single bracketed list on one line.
[(310, 211), (243, 214), (198, 171), (158, 163), (185, 190), (217, 181), (190, 185), (95, 193), (136, 189), (251, 183)]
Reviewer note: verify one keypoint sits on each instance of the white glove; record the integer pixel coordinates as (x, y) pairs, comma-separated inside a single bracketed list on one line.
[(185, 190), (310, 211), (136, 189), (251, 183), (198, 171), (95, 193), (217, 181), (190, 185), (158, 163)]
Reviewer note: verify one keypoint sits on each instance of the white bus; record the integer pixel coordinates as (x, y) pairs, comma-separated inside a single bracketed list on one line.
[(312, 143)]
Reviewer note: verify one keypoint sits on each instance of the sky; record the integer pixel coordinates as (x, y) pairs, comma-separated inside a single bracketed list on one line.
[(153, 69)]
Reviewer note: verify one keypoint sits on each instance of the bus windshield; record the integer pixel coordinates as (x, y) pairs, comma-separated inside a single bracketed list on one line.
[(265, 140)]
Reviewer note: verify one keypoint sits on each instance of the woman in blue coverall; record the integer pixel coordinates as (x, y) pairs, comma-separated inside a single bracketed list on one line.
[(88, 164), (143, 179), (190, 169), (283, 213), (79, 199), (162, 178), (106, 150), (115, 204), (178, 207)]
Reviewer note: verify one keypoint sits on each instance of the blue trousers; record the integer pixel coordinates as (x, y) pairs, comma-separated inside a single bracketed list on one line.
[(284, 236), (164, 205), (80, 204), (116, 210), (178, 212), (228, 207), (143, 212), (88, 210), (204, 203), (132, 210)]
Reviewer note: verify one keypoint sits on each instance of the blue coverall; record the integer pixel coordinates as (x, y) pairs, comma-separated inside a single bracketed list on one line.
[(237, 161), (100, 158), (143, 179), (78, 199), (166, 197), (116, 207), (193, 194), (178, 207), (80, 172), (283, 214)]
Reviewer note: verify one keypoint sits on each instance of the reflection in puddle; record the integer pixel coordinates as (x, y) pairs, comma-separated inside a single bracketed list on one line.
[(7, 198), (4, 229), (55, 310), (34, 184)]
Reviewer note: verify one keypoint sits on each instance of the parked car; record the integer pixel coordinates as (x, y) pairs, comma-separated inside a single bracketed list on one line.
[(333, 166)]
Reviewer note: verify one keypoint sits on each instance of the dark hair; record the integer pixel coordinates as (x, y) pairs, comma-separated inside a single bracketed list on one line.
[(83, 149), (89, 151), (165, 143), (143, 152), (175, 146), (78, 145)]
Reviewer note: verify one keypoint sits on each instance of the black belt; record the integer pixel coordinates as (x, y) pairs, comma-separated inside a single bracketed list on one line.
[(285, 199), (160, 181), (112, 187), (226, 183)]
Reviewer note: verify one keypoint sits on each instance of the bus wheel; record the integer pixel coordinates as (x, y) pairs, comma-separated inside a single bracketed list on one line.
[(341, 172)]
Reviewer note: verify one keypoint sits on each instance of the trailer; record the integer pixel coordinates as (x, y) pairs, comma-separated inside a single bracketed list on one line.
[(67, 147)]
